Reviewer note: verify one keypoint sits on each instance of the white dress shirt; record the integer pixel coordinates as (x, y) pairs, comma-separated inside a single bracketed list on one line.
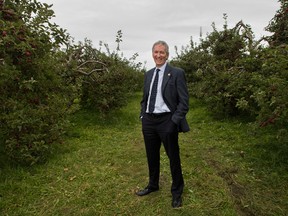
[(160, 106)]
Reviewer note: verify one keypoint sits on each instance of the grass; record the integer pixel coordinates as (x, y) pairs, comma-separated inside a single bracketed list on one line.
[(229, 169)]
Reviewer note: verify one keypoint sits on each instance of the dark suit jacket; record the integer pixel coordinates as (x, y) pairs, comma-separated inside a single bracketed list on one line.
[(175, 94)]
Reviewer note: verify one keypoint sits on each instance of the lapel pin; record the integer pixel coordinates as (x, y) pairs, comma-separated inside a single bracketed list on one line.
[(169, 74)]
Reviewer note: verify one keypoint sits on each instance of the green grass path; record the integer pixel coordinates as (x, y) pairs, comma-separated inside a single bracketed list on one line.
[(228, 168)]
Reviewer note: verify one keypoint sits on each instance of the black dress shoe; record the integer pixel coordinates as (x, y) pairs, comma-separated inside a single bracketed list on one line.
[(176, 202), (145, 191)]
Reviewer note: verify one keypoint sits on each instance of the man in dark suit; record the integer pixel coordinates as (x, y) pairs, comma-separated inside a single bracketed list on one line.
[(164, 106)]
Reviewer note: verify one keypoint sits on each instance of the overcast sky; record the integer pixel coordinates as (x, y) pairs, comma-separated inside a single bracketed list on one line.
[(143, 22)]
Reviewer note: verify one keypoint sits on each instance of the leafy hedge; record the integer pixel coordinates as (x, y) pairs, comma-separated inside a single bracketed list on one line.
[(40, 83), (33, 109), (236, 75), (105, 80)]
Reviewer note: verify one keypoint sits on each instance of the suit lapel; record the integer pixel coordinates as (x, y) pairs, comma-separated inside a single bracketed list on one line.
[(149, 79), (166, 76)]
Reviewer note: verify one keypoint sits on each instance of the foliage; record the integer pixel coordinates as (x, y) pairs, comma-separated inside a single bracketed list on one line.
[(236, 75), (215, 70), (271, 95), (279, 25), (41, 84), (33, 105), (105, 80)]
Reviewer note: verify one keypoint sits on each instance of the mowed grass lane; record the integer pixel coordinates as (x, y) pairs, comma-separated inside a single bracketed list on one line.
[(227, 167)]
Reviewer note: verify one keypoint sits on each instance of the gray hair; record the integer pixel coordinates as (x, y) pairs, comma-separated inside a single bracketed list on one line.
[(161, 43)]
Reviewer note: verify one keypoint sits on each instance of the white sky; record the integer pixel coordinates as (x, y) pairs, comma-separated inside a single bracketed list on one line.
[(143, 22)]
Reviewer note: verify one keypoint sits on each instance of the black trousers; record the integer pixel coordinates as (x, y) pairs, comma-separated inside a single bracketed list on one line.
[(159, 129)]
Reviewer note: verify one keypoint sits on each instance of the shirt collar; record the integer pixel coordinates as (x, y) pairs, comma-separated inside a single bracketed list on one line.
[(162, 68)]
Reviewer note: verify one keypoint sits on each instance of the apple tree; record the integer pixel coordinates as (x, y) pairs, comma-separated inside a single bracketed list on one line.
[(33, 99)]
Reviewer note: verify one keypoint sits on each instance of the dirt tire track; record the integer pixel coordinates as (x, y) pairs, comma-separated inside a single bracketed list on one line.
[(237, 191)]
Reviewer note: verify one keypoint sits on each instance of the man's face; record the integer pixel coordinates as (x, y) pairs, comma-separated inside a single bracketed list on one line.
[(160, 55)]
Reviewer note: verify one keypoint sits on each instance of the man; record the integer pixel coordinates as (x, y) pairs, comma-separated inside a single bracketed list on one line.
[(163, 109)]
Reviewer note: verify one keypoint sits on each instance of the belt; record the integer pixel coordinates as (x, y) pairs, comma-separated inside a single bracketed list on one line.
[(158, 115)]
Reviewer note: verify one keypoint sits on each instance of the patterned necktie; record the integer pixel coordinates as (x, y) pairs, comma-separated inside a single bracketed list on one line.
[(154, 92)]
